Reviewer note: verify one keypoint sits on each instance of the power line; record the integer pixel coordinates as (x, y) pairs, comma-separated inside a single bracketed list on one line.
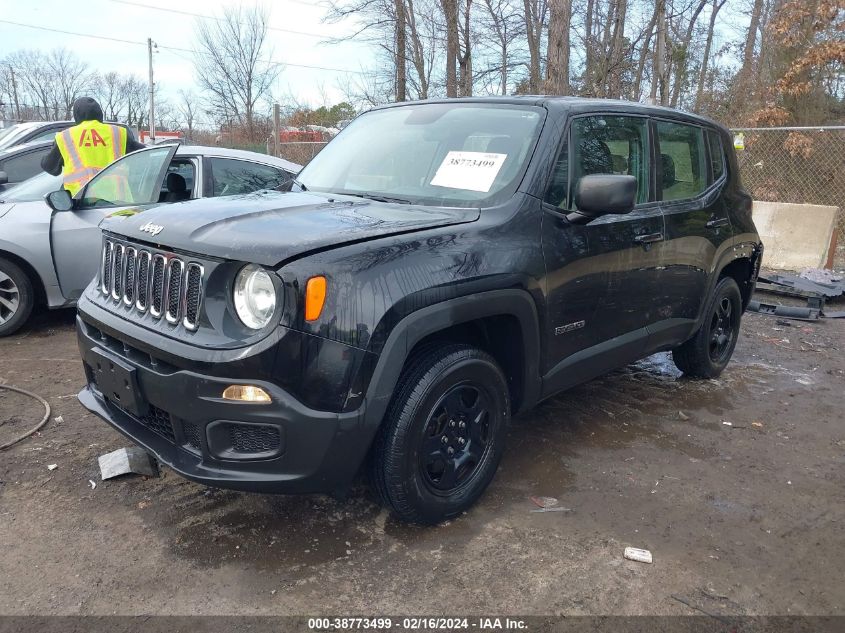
[(97, 37), (174, 48), (210, 17)]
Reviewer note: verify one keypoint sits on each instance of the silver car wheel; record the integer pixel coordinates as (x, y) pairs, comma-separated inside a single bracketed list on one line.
[(9, 297)]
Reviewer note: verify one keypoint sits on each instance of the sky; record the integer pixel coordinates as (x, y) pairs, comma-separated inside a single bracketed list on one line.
[(136, 20), (298, 37)]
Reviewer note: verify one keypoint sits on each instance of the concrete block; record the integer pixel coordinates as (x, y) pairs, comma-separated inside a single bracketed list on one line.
[(795, 236), (127, 460)]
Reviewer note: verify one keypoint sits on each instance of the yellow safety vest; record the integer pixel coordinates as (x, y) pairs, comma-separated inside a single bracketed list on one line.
[(86, 148)]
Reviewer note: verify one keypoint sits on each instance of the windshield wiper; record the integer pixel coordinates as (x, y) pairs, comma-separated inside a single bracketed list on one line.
[(378, 197), (287, 185)]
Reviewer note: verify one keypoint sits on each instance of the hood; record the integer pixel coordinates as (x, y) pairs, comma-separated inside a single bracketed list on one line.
[(269, 227), (5, 207)]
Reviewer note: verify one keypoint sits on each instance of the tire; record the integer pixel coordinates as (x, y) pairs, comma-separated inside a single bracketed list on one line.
[(17, 297), (443, 434), (708, 352)]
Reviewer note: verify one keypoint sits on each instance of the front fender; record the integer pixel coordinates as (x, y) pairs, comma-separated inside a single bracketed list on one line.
[(437, 317), (41, 264)]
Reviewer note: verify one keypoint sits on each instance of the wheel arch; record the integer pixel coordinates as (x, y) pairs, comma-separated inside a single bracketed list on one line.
[(34, 277), (508, 317), (742, 272)]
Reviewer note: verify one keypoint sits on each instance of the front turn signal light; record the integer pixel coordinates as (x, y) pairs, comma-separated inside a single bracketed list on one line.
[(246, 393), (315, 297)]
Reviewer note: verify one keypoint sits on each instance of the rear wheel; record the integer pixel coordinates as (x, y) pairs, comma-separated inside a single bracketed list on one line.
[(17, 297), (443, 435), (710, 349)]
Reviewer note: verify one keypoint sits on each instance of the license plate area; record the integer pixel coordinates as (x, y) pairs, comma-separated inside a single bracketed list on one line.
[(118, 382)]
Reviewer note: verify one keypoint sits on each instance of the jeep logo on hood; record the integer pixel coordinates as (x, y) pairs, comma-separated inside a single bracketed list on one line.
[(152, 229)]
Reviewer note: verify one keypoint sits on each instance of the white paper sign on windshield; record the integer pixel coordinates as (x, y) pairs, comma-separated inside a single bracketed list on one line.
[(474, 171)]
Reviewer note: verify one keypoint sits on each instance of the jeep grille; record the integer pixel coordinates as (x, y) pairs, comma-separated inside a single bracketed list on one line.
[(161, 282)]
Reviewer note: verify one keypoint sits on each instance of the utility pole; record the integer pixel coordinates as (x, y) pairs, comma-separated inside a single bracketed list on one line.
[(150, 45), (15, 94), (276, 128)]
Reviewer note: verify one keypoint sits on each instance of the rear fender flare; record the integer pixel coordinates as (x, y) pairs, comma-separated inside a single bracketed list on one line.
[(745, 250)]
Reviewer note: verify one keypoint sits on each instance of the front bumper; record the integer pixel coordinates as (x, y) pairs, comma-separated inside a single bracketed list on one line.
[(281, 447)]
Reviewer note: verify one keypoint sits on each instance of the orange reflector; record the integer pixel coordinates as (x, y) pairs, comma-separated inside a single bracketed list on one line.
[(315, 297), (246, 393)]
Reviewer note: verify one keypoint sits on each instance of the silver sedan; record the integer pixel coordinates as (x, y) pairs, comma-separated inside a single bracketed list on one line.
[(47, 257)]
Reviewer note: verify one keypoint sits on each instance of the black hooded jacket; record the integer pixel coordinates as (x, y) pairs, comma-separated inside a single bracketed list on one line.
[(84, 109)]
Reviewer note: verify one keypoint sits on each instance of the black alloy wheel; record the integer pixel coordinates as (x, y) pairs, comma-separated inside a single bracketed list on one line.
[(456, 438), (708, 351), (723, 330), (443, 435)]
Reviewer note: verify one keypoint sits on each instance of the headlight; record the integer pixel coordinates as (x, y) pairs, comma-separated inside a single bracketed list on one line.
[(255, 297)]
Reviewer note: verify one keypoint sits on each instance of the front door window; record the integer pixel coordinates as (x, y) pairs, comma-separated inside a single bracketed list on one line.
[(130, 180), (611, 145)]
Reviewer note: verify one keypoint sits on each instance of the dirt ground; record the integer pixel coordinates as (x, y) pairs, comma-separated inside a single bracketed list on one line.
[(736, 485)]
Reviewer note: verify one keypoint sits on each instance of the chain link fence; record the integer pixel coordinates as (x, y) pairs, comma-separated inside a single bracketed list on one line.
[(298, 151), (797, 164)]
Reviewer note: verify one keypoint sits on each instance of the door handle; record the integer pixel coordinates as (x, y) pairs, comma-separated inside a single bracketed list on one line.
[(648, 238), (717, 223)]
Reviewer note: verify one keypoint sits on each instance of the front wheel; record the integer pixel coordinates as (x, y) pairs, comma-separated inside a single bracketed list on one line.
[(16, 297), (443, 435), (707, 353)]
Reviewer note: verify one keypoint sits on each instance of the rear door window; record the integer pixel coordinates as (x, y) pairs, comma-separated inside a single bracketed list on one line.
[(681, 168), (178, 183), (231, 177)]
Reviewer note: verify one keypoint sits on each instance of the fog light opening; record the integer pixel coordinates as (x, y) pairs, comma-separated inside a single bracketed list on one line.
[(246, 393)]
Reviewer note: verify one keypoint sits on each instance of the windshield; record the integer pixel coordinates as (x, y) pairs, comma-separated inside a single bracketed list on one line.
[(131, 180), (445, 154), (33, 189)]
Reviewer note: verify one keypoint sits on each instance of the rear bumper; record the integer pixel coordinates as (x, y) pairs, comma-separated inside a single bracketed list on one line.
[(281, 447)]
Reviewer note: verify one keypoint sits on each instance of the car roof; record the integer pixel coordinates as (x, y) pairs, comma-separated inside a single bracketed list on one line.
[(577, 105), (222, 152), (15, 149)]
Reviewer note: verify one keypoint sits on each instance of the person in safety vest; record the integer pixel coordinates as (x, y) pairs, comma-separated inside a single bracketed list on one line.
[(81, 151)]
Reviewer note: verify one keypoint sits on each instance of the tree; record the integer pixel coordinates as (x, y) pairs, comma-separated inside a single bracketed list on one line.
[(809, 62), (705, 58), (136, 95), (659, 79), (450, 13), (534, 16), (501, 27), (557, 65), (71, 78), (188, 111), (231, 65), (111, 95), (401, 51)]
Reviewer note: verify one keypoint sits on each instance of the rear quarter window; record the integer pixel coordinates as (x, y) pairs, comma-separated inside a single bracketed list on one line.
[(717, 155)]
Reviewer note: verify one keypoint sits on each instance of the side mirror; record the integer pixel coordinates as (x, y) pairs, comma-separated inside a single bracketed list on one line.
[(59, 200), (604, 194), (4, 178)]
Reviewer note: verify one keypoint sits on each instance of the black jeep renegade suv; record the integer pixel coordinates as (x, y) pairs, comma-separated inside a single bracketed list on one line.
[(436, 269)]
